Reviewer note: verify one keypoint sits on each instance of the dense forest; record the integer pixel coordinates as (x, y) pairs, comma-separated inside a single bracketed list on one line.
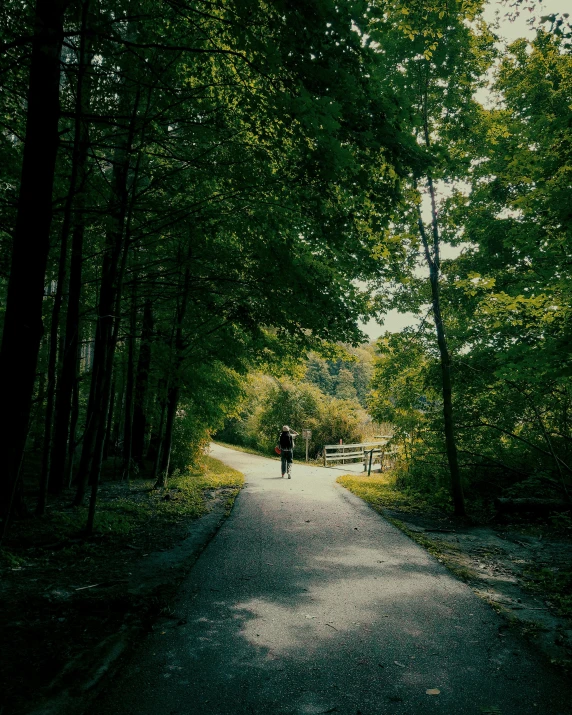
[(200, 196)]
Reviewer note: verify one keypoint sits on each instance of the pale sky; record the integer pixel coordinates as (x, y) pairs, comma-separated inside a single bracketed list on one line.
[(508, 31)]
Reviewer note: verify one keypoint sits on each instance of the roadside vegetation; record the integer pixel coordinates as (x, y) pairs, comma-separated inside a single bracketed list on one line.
[(325, 395), (203, 201), (522, 566), (66, 594)]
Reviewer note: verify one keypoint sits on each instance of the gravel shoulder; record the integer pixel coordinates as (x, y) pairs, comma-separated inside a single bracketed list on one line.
[(522, 568)]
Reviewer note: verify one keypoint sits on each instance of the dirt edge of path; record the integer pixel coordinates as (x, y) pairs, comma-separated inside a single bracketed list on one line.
[(494, 561), (141, 602), (154, 583)]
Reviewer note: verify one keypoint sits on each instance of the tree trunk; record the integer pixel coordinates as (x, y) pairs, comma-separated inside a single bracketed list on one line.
[(172, 404), (67, 381), (52, 366), (106, 393), (450, 442), (141, 384), (156, 441), (174, 390), (72, 444), (23, 327), (433, 261), (129, 387), (107, 443), (104, 344)]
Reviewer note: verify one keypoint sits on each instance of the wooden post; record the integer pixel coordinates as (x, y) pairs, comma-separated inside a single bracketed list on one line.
[(306, 434)]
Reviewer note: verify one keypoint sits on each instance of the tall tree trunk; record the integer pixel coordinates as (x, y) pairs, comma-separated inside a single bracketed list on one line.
[(174, 391), (52, 366), (72, 444), (433, 258), (67, 381), (156, 442), (141, 385), (112, 271), (110, 415), (105, 339), (172, 404), (23, 327), (129, 387), (433, 262)]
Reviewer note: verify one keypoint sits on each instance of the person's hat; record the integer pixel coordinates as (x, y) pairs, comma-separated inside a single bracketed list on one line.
[(285, 428)]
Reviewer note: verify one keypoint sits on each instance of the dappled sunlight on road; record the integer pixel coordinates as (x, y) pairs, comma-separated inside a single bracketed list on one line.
[(308, 602)]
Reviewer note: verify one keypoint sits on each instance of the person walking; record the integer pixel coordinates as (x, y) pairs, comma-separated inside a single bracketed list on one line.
[(286, 442)]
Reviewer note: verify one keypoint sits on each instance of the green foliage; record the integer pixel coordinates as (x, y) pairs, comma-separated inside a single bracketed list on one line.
[(271, 403), (345, 376), (502, 194), (554, 583)]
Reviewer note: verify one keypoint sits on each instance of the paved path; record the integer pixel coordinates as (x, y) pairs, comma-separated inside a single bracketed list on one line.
[(307, 601)]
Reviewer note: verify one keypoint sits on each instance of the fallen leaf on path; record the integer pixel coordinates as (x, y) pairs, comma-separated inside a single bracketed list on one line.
[(399, 664), (433, 691)]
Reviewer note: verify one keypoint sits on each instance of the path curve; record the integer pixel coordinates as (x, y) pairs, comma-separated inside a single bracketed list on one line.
[(307, 601)]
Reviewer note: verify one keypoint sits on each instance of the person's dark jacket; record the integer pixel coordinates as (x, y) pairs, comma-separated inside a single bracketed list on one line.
[(286, 441)]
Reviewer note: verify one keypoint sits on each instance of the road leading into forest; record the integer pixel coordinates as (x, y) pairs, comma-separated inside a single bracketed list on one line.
[(307, 601)]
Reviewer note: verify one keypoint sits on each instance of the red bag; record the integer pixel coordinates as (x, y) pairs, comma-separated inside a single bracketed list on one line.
[(277, 449)]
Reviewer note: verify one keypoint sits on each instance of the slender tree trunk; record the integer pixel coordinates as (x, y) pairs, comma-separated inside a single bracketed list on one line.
[(159, 441), (433, 263), (110, 415), (23, 327), (36, 420), (141, 385), (103, 354), (72, 444), (172, 404), (51, 377), (75, 212), (129, 387), (112, 272), (174, 391), (433, 258), (106, 393)]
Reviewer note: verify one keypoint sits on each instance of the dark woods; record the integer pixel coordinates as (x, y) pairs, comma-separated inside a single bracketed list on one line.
[(186, 194), (195, 191)]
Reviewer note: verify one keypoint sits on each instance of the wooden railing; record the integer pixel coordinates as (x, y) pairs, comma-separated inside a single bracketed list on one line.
[(363, 452)]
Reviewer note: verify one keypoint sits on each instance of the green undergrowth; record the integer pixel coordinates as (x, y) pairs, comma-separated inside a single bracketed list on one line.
[(125, 508), (383, 492), (554, 584), (82, 589)]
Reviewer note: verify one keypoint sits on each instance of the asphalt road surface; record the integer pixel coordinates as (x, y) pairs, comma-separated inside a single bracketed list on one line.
[(307, 601)]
